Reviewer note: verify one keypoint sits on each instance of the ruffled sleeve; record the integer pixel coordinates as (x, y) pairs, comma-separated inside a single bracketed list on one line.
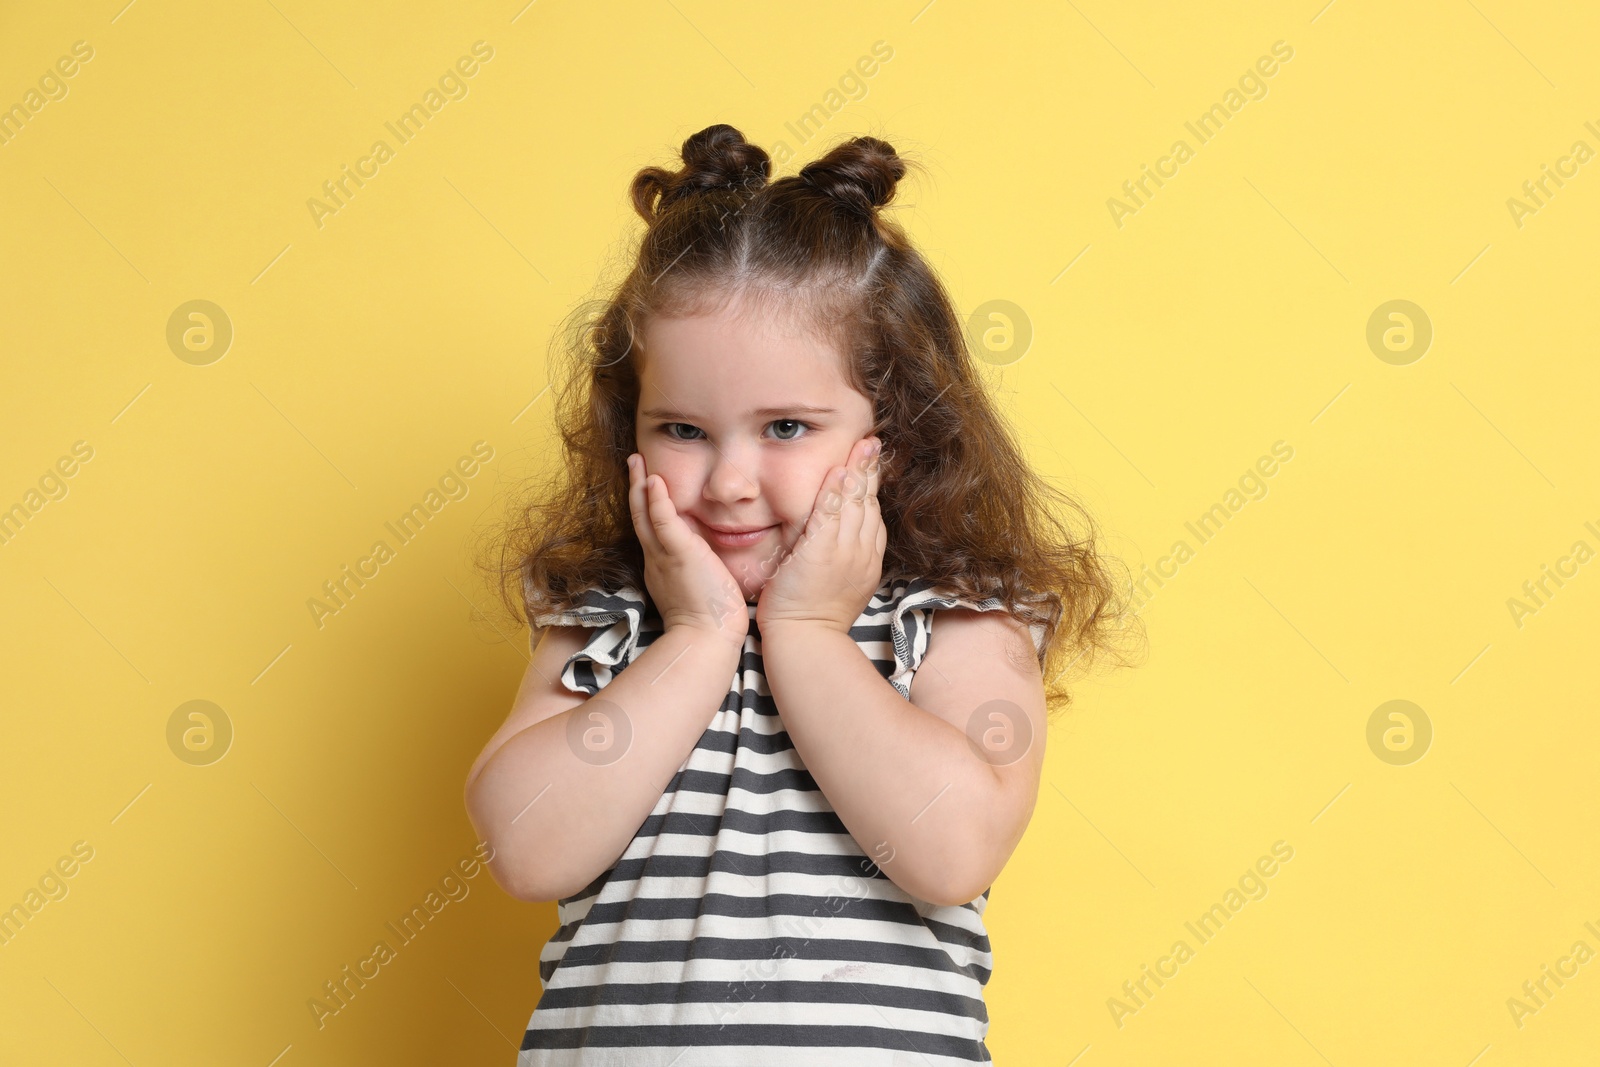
[(616, 617), (911, 609)]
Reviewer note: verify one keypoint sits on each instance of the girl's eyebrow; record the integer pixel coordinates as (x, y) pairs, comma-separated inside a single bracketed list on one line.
[(766, 413)]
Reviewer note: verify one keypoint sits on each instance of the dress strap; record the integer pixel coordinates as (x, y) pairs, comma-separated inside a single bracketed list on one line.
[(616, 617), (911, 605)]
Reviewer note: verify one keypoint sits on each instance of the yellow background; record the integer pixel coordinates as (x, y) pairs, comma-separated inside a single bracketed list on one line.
[(1228, 313)]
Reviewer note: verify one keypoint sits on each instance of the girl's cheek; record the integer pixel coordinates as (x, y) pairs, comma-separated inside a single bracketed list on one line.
[(676, 493), (661, 466)]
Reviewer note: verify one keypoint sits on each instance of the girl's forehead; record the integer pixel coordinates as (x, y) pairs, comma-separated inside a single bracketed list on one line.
[(687, 373), (740, 350), (740, 322)]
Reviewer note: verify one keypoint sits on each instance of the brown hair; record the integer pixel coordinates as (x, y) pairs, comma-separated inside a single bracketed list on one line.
[(975, 518)]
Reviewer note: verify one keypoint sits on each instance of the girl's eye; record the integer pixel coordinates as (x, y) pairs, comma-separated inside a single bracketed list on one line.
[(791, 422), (669, 428)]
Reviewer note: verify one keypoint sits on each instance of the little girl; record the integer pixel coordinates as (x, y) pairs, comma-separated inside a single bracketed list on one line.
[(768, 793)]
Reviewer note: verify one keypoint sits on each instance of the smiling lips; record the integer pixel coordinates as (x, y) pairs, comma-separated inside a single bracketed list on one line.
[(735, 536)]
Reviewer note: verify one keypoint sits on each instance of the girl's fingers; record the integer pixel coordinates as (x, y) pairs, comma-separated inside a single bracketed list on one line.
[(872, 526), (655, 520), (670, 530), (639, 506), (838, 495), (859, 516), (850, 510), (850, 504), (823, 509), (859, 487)]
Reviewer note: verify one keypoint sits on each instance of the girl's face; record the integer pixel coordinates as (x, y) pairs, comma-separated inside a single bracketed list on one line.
[(743, 416)]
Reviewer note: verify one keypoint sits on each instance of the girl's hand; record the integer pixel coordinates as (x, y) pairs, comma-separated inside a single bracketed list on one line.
[(688, 583), (828, 578)]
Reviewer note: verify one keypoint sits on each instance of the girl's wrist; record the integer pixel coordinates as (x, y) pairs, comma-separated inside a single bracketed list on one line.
[(803, 626), (698, 631)]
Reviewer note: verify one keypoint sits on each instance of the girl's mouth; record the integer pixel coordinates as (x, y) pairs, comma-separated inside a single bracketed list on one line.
[(742, 540)]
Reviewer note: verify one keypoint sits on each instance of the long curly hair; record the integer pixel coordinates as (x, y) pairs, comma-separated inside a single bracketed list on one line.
[(960, 504)]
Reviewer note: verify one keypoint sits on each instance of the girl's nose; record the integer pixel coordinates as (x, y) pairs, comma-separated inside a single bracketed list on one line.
[(731, 478)]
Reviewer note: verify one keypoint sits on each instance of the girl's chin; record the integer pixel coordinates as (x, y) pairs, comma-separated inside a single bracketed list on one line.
[(752, 566), (751, 578)]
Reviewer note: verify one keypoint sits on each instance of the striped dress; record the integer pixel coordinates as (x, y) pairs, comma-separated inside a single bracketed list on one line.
[(743, 926)]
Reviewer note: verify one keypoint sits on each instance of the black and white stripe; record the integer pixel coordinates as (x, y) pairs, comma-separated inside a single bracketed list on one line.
[(743, 924)]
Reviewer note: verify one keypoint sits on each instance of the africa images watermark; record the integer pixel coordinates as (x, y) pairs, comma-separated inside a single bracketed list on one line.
[(1252, 486), (1210, 923), (52, 885), (1204, 128), (1531, 1001), (51, 487), (798, 933), (341, 989), (1537, 592), (52, 86), (1579, 154), (452, 486), (452, 86), (809, 123)]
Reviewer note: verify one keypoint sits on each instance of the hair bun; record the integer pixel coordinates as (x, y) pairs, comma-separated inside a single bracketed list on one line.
[(860, 173), (718, 157)]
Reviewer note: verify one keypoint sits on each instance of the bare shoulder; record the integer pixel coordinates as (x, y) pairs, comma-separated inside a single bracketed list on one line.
[(975, 658), (993, 641)]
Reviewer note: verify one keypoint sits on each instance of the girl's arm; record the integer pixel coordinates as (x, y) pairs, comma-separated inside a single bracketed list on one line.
[(560, 800), (937, 817)]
